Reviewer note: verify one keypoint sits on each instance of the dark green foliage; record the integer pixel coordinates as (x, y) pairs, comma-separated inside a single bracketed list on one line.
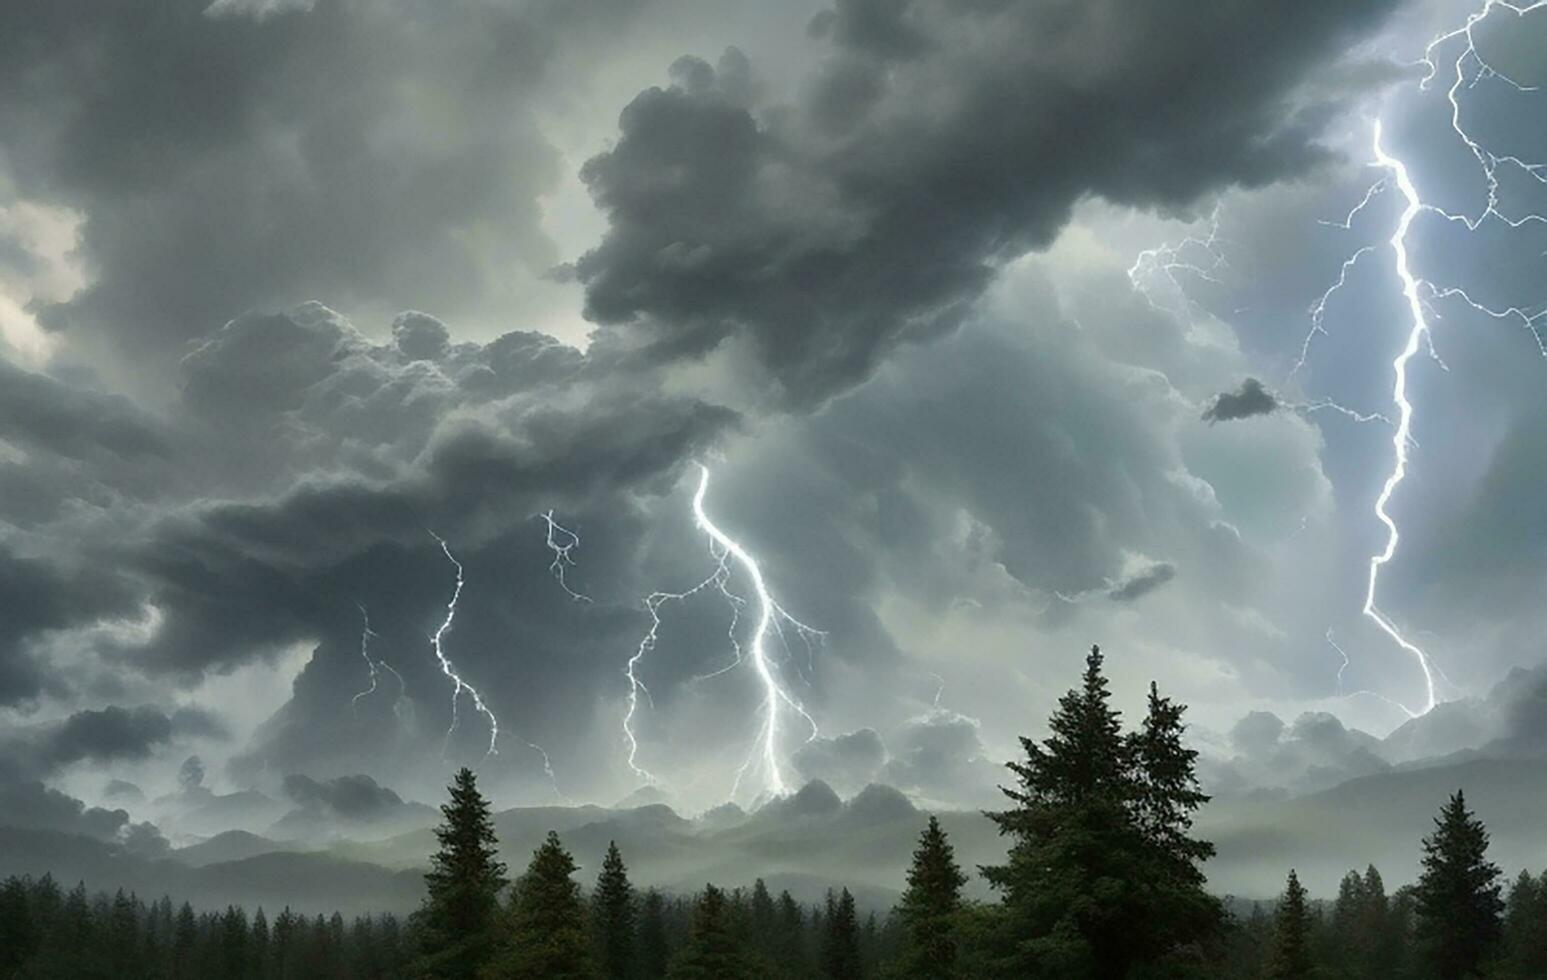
[(712, 952), (1290, 958), (1525, 929), (929, 906), (840, 938), (612, 917), (653, 949), (1460, 907), (456, 924), (1102, 875), (547, 933), (122, 938)]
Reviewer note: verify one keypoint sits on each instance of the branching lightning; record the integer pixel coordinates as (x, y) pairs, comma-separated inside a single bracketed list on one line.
[(562, 542), (1420, 295), (765, 755), (436, 643)]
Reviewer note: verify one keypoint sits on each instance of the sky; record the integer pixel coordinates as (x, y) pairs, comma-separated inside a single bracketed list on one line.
[(989, 331)]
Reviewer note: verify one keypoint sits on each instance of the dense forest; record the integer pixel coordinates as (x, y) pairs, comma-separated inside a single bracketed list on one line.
[(1102, 879)]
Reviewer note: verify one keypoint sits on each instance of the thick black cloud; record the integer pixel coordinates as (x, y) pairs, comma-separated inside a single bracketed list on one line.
[(939, 140), (104, 735), (1251, 399)]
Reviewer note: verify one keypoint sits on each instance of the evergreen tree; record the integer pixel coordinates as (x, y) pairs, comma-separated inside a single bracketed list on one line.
[(1290, 958), (653, 949), (1458, 894), (458, 917), (20, 934), (548, 920), (185, 939), (612, 915), (1102, 874), (712, 952), (789, 945), (1525, 928), (930, 903), (840, 939)]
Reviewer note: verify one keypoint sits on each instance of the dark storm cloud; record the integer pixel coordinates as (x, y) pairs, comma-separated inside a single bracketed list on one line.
[(1247, 401), (352, 797), (39, 596), (846, 762), (941, 756), (121, 733), (1142, 582), (53, 416), (365, 152), (937, 141)]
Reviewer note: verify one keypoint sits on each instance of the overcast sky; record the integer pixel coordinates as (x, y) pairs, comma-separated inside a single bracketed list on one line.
[(993, 323)]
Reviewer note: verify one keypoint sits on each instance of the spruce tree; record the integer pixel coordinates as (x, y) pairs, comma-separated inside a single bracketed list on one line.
[(458, 917), (1458, 894), (840, 939), (930, 903), (653, 949), (20, 934), (789, 946), (548, 920), (612, 916), (712, 952), (1290, 958), (1525, 927), (1102, 873)]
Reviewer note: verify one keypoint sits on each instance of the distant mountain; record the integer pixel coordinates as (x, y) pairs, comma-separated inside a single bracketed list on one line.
[(233, 845), (1378, 819), (310, 883)]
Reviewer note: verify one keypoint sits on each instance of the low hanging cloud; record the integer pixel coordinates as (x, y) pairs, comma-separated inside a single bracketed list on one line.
[(1248, 401), (1142, 582)]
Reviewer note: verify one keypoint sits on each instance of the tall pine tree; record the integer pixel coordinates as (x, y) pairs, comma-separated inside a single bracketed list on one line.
[(612, 917), (654, 953), (712, 952), (840, 941), (1102, 873), (929, 905), (458, 918), (548, 921), (1459, 894), (1290, 958)]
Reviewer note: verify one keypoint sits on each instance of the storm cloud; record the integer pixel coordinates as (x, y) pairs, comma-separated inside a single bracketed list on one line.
[(875, 209)]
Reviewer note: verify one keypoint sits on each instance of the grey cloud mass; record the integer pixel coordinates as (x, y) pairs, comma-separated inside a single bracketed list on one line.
[(936, 142)]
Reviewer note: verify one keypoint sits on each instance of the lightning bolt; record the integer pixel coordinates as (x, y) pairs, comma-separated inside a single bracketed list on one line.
[(771, 620), (436, 643), (562, 542), (1470, 68), (373, 665)]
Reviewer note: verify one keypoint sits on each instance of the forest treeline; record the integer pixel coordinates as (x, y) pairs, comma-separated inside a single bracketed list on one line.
[(1102, 879)]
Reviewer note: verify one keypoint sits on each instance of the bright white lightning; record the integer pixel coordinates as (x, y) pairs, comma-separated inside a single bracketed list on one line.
[(562, 542), (769, 615), (771, 618), (1401, 438), (450, 671), (1362, 693)]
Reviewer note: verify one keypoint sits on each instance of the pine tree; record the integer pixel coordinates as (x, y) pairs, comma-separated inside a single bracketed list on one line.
[(789, 944), (1102, 873), (612, 915), (840, 940), (654, 952), (930, 903), (1290, 958), (548, 920), (458, 916), (712, 952), (20, 934), (1458, 893), (1525, 927)]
